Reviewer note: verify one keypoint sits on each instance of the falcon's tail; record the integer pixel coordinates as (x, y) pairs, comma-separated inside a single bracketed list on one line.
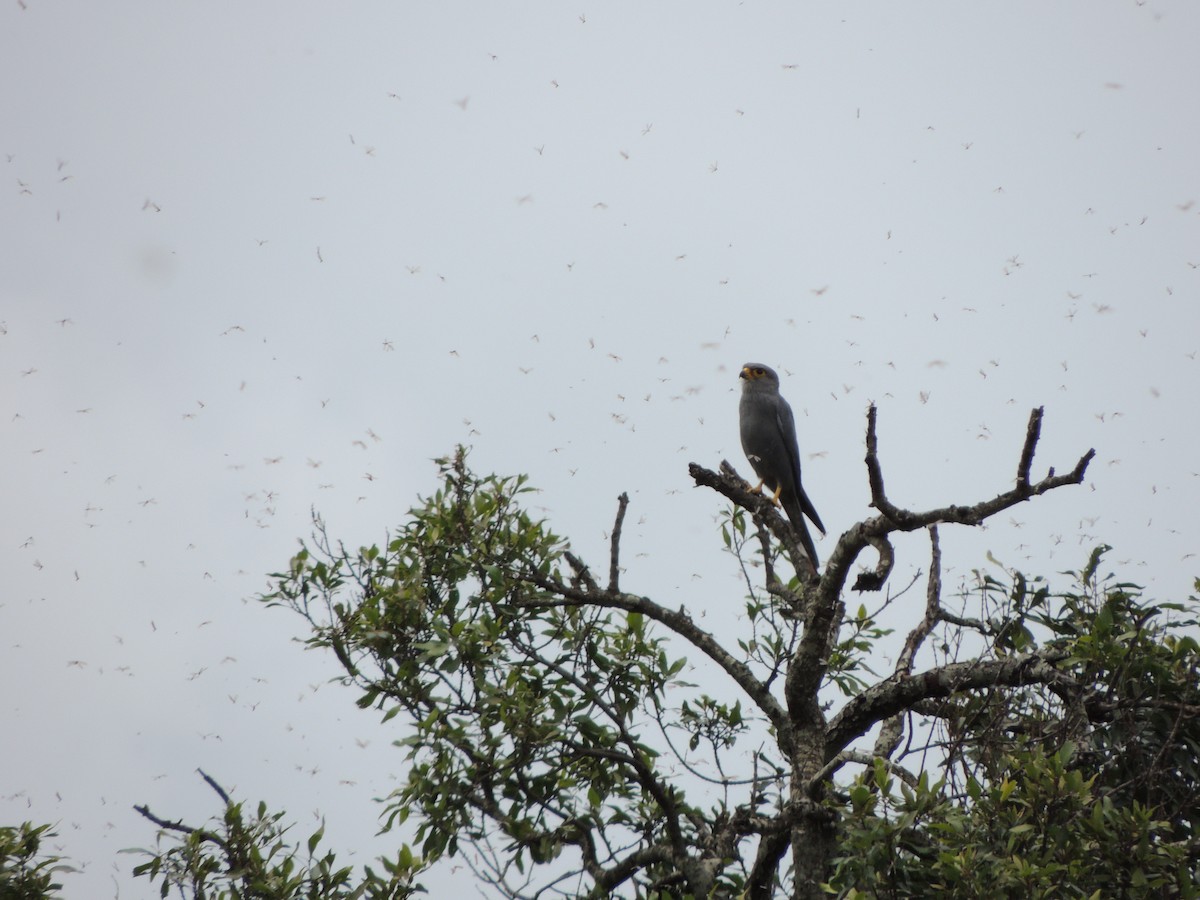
[(795, 514), (810, 510)]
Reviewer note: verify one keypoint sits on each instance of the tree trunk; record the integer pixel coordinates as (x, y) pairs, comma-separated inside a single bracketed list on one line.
[(812, 834)]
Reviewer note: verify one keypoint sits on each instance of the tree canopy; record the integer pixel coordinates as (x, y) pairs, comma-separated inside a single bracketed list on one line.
[(1035, 739)]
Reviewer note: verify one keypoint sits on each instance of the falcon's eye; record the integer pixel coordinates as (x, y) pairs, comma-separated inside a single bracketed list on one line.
[(759, 372)]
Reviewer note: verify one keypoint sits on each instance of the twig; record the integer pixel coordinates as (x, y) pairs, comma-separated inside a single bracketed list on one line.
[(583, 574), (764, 542), (933, 607), (216, 787)]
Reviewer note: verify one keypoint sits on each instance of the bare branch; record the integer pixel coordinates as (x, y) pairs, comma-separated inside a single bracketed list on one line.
[(792, 606), (963, 622), (866, 759), (178, 826), (614, 568), (764, 542), (760, 884), (893, 728), (732, 485), (905, 520), (583, 574), (889, 737), (1032, 434), (871, 532), (608, 879), (216, 787), (879, 498), (893, 518), (899, 693), (933, 607), (874, 580)]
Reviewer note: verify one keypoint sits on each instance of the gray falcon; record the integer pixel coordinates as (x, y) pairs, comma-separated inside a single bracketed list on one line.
[(769, 441)]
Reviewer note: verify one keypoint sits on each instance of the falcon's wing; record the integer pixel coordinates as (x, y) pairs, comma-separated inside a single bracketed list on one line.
[(787, 428)]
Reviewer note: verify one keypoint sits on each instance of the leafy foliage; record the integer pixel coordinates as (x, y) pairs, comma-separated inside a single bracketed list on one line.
[(526, 713), (1044, 830), (25, 872), (248, 856), (1049, 792)]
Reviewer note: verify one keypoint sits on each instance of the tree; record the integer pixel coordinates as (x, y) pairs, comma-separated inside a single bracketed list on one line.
[(551, 733)]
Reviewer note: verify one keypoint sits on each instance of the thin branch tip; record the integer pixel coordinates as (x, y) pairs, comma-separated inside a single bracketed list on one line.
[(614, 565), (221, 792), (1033, 433)]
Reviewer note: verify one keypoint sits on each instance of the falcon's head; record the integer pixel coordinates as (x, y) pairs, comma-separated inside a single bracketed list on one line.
[(757, 373)]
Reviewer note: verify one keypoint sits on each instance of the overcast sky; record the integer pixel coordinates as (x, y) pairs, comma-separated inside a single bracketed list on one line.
[(265, 258)]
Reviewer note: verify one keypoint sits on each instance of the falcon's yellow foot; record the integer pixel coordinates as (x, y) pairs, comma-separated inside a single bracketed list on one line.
[(775, 496), (757, 489)]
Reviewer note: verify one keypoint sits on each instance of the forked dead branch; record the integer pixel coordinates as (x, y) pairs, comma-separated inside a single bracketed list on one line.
[(874, 531)]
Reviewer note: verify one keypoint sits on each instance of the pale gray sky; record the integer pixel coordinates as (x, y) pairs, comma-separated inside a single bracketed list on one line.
[(265, 257)]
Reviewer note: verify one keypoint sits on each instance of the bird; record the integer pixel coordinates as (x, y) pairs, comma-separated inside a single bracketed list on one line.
[(768, 432)]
